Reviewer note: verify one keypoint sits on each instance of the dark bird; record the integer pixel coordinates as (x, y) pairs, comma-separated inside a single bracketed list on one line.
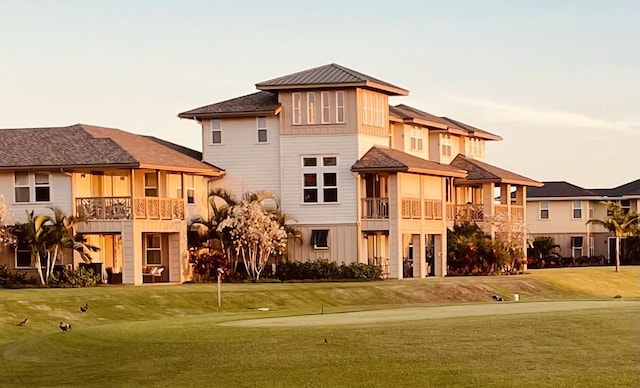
[(326, 341), (65, 326), (497, 298), (617, 297), (23, 322), (84, 308)]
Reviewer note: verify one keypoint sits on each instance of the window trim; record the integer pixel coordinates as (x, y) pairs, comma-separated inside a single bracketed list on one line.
[(574, 248), (22, 247), (446, 145), (296, 102), (575, 209), (544, 208), (32, 187), (147, 249), (340, 104), (324, 164), (311, 107), (216, 130), (149, 187), (264, 129), (325, 108), (592, 246), (319, 236), (190, 190), (416, 138)]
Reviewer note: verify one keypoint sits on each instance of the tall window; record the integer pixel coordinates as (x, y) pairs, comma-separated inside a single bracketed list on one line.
[(592, 246), (150, 184), (262, 130), (416, 138), (320, 179), (591, 211), (625, 204), (297, 106), (576, 246), (216, 131), (340, 107), (25, 183), (191, 191), (326, 111), (446, 145), (577, 209), (153, 250), (311, 108), (23, 255), (544, 210)]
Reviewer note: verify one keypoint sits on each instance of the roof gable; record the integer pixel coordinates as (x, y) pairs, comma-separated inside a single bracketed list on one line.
[(379, 159), (483, 172), (331, 75)]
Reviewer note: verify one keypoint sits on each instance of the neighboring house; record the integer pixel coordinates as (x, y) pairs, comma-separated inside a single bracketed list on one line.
[(364, 181), (136, 193), (561, 210)]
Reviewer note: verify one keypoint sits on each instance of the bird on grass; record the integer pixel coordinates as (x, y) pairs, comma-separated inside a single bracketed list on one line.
[(326, 341), (497, 298), (617, 296), (23, 322), (65, 326), (84, 308)]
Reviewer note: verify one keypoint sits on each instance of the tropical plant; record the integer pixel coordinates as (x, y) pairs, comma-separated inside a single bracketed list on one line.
[(471, 251), (618, 222)]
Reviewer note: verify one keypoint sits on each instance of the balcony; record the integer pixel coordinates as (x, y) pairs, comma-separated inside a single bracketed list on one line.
[(128, 208), (375, 208)]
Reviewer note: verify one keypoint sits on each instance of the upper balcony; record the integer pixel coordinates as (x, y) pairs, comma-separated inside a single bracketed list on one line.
[(129, 208)]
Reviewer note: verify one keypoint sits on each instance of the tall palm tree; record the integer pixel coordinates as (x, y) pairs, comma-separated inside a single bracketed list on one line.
[(619, 223)]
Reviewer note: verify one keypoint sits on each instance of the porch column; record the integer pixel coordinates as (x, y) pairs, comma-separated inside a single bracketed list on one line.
[(488, 208), (521, 199), (419, 256), (396, 249), (440, 255), (361, 254)]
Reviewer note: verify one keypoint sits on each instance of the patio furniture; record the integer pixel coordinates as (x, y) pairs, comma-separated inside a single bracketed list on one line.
[(152, 274)]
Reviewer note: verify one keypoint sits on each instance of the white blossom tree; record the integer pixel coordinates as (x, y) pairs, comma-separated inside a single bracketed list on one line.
[(255, 235)]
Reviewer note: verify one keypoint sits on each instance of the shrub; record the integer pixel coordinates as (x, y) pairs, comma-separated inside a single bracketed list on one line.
[(327, 270), (206, 265), (80, 277), (13, 279)]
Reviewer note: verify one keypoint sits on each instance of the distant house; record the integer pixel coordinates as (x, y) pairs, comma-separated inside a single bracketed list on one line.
[(137, 194), (561, 210), (365, 181)]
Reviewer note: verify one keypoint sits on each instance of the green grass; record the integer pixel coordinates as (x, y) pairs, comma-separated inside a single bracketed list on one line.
[(169, 335)]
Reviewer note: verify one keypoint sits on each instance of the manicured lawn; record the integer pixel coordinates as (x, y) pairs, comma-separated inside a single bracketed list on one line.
[(171, 335)]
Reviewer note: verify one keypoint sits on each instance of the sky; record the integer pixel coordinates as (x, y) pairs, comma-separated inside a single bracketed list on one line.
[(558, 80)]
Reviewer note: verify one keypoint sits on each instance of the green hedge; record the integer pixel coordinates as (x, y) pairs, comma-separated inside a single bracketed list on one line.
[(327, 270)]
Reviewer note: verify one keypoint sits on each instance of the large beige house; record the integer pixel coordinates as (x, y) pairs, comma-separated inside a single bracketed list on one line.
[(365, 181), (137, 194), (561, 210)]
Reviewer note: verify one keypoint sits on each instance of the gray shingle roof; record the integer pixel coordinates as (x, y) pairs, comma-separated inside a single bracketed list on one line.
[(86, 146), (259, 102), (331, 75), (379, 159), (481, 171), (406, 112), (559, 189), (628, 189)]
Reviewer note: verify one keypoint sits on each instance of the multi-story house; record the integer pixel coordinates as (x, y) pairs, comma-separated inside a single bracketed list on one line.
[(364, 181), (136, 194), (561, 210)]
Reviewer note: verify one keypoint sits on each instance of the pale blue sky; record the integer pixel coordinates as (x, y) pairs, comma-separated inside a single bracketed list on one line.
[(530, 71)]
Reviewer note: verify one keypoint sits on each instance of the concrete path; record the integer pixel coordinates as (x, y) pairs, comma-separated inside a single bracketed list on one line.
[(437, 312)]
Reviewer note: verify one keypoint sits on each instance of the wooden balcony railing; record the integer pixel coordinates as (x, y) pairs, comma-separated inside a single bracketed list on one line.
[(375, 208), (127, 208), (411, 208), (469, 213), (432, 209)]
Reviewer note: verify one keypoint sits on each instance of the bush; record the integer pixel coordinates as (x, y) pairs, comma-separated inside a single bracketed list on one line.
[(206, 265), (80, 277), (326, 270), (13, 279)]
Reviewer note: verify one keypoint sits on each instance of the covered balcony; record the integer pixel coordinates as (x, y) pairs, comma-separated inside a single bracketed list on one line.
[(129, 208)]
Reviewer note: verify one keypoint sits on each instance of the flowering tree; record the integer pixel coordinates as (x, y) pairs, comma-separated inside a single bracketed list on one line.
[(6, 238), (255, 235)]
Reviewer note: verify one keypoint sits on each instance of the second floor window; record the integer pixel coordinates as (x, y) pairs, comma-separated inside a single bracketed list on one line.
[(416, 138), (446, 145), (340, 107), (297, 106), (150, 184), (311, 108), (326, 111), (216, 131), (191, 191), (262, 130), (320, 179), (153, 250), (577, 209), (26, 183), (544, 210)]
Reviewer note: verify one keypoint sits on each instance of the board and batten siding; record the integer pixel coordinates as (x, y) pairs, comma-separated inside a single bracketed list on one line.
[(365, 142), (60, 196), (249, 165), (294, 148)]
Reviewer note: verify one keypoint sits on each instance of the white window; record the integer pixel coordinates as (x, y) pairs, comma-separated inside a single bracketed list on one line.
[(544, 210), (297, 106), (416, 138), (153, 250), (380, 112), (576, 246), (591, 211), (592, 246), (369, 108), (319, 238), (191, 191), (150, 184), (326, 112), (320, 179), (216, 131), (262, 130), (24, 182), (340, 107), (625, 204), (577, 209), (446, 145), (311, 108), (23, 255)]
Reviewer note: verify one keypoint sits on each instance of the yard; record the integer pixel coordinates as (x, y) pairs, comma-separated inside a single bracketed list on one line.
[(567, 330)]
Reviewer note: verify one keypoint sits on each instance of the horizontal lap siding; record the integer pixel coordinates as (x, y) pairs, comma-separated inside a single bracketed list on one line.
[(293, 148), (60, 195), (249, 166)]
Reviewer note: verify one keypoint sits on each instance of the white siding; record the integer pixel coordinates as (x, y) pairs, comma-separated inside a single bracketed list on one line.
[(249, 165), (341, 146), (60, 195), (365, 142)]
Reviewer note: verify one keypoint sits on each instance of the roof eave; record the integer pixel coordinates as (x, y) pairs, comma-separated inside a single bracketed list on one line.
[(194, 170), (529, 183), (68, 167), (200, 116), (427, 171)]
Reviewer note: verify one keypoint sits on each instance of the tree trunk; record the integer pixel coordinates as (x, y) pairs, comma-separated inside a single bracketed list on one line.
[(36, 256), (617, 253)]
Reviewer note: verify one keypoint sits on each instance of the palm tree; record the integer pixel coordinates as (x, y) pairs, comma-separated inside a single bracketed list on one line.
[(619, 223)]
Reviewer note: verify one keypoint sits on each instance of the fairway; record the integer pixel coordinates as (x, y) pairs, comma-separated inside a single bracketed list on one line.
[(419, 313)]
